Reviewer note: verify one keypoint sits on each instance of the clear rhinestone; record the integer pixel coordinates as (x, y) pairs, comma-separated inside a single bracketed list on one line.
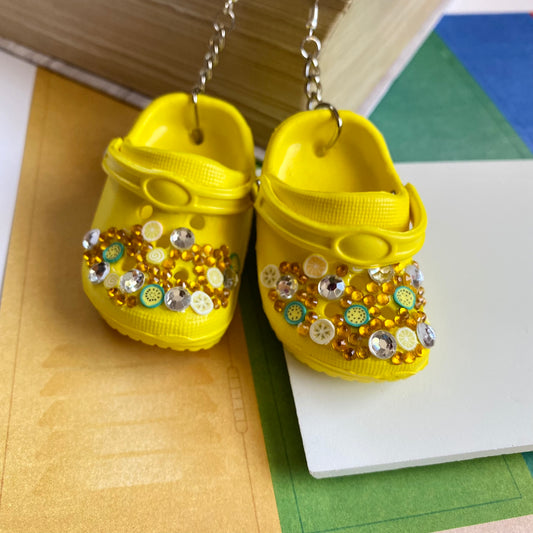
[(90, 239), (331, 287), (426, 335), (131, 281), (178, 299), (417, 278), (231, 278), (381, 274), (382, 344), (98, 272), (182, 238), (287, 286)]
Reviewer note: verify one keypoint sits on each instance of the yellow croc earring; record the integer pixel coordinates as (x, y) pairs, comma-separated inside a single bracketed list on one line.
[(163, 260), (336, 236)]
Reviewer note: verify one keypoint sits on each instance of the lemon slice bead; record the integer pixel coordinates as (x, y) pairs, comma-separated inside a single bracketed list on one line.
[(215, 277), (315, 266), (152, 231), (406, 339)]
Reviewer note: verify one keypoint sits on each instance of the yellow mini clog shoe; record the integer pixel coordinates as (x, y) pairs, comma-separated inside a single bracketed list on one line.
[(336, 236), (163, 260)]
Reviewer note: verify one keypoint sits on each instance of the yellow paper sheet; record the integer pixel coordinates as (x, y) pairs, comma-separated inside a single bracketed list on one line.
[(104, 433)]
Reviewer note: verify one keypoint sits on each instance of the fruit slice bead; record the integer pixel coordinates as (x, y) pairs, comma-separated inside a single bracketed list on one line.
[(322, 331), (269, 276), (152, 296), (406, 339), (315, 266), (152, 231)]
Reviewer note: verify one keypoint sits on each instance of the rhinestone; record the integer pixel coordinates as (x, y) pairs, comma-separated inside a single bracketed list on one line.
[(182, 238), (382, 344), (131, 281), (90, 238), (331, 287), (381, 274), (287, 286), (417, 278), (98, 272), (178, 299), (426, 335), (231, 278)]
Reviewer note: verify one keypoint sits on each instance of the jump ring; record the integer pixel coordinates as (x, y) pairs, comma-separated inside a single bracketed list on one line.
[(338, 121), (316, 43)]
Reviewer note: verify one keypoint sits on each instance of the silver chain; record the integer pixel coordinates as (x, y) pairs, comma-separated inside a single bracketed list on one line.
[(310, 50), (222, 25)]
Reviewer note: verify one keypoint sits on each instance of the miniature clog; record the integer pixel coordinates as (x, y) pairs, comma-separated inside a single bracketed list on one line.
[(163, 260), (336, 236)]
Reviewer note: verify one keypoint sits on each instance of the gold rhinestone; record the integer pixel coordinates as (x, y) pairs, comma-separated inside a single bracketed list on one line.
[(409, 358), (369, 300), (353, 338), (382, 299), (339, 344), (343, 331), (364, 331), (388, 287), (372, 287), (312, 288), (357, 296), (279, 306), (411, 322), (303, 328), (342, 270), (396, 359), (168, 263), (349, 354), (284, 267), (311, 317), (376, 323), (338, 320)]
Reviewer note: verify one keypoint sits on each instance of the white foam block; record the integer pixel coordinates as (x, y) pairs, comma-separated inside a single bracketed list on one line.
[(474, 398)]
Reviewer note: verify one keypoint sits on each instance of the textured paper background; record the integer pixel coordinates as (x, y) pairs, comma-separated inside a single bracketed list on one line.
[(104, 433)]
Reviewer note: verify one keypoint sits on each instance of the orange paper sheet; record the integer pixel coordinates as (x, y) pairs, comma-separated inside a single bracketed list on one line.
[(104, 433)]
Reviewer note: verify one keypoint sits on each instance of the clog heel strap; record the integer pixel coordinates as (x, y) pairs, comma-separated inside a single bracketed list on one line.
[(176, 182), (363, 245)]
